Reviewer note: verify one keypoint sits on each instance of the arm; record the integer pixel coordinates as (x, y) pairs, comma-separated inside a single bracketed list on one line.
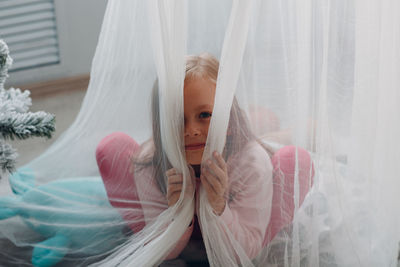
[(248, 209), (247, 217), (240, 191)]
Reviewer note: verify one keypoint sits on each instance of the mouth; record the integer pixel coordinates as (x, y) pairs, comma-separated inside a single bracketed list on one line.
[(195, 146)]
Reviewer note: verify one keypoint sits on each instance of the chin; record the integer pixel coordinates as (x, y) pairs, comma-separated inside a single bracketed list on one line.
[(194, 157)]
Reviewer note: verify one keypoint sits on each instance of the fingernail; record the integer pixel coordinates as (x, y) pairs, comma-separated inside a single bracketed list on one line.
[(215, 153), (208, 161)]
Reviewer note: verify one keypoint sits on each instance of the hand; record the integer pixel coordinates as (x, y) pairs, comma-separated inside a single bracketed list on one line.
[(175, 184), (214, 178)]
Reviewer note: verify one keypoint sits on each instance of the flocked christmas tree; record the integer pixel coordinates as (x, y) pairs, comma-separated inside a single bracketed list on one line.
[(16, 122)]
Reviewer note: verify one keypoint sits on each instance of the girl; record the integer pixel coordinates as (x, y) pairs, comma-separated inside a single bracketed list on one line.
[(238, 183)]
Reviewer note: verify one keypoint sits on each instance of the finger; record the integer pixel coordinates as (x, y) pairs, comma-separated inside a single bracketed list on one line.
[(173, 199), (220, 160), (207, 186), (213, 181), (170, 172), (177, 188), (207, 169), (173, 188), (175, 179), (219, 173)]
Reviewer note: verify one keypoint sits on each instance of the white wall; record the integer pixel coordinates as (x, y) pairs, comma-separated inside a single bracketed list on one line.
[(78, 23)]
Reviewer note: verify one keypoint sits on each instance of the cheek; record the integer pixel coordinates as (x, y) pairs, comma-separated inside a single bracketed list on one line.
[(206, 127)]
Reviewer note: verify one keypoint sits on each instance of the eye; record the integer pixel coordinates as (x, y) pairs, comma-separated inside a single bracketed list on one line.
[(204, 115)]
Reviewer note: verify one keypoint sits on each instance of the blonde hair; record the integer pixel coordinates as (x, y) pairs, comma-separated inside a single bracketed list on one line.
[(204, 65)]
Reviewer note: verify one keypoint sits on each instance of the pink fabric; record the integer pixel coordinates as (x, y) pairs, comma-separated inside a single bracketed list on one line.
[(113, 159), (253, 196), (283, 203), (249, 197)]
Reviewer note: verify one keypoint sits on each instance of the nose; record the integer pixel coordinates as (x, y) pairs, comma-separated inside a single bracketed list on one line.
[(191, 129)]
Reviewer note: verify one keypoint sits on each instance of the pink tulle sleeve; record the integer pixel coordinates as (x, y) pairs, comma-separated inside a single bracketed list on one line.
[(248, 208)]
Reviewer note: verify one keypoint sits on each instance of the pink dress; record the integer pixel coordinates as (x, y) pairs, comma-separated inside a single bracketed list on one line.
[(249, 198)]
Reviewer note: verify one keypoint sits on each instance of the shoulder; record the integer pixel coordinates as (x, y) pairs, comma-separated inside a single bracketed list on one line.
[(252, 154), (252, 162), (256, 151)]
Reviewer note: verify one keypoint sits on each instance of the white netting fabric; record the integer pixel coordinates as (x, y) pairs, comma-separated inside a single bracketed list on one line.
[(298, 99)]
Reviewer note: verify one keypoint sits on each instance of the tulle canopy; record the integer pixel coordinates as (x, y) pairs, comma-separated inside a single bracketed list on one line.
[(303, 114)]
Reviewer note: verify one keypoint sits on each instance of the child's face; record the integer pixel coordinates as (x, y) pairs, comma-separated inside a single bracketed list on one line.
[(199, 96)]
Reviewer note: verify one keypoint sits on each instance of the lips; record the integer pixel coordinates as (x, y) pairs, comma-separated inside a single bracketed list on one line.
[(195, 146)]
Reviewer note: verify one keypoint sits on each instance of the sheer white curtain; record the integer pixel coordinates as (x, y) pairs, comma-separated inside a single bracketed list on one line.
[(373, 150), (316, 75)]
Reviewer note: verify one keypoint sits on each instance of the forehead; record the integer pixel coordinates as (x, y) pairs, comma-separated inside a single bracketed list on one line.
[(199, 91)]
